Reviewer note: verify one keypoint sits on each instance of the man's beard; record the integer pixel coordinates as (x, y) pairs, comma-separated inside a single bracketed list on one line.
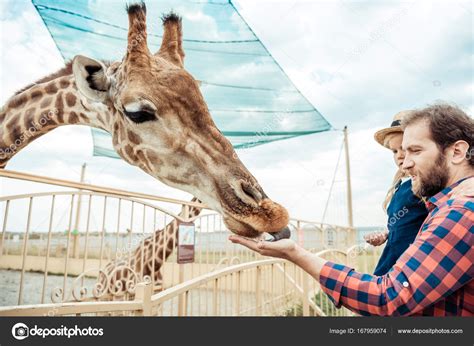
[(434, 180)]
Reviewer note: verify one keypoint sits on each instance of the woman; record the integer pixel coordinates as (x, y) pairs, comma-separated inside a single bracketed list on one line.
[(406, 212)]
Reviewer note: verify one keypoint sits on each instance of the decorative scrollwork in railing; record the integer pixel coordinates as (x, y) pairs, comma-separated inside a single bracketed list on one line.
[(79, 292), (115, 284), (57, 295), (121, 280)]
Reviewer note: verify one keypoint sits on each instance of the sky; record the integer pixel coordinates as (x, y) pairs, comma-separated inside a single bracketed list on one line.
[(357, 62)]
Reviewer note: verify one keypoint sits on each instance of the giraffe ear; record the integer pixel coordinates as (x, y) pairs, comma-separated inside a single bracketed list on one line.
[(91, 78)]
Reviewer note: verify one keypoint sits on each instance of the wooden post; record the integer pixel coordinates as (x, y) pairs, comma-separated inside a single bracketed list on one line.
[(143, 293), (181, 298), (350, 219), (305, 294), (181, 268), (215, 297), (258, 290), (237, 294), (75, 238), (183, 307)]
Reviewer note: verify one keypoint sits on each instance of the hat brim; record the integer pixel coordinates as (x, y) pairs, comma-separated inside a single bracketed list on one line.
[(380, 135)]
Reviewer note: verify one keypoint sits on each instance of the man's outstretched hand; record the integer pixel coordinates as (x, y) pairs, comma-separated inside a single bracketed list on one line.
[(284, 248)]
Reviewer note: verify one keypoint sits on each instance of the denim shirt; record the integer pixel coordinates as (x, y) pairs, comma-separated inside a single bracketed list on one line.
[(406, 214)]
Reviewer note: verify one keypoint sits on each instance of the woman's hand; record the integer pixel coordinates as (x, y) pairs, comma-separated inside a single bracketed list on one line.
[(376, 238), (465, 189), (284, 248)]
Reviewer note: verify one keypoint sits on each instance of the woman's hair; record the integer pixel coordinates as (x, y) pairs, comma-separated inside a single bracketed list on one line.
[(398, 176)]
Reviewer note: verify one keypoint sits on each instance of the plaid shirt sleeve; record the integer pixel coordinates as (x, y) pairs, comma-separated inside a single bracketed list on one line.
[(438, 263)]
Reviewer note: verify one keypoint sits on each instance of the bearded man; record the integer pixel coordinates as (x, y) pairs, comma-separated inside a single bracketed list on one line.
[(434, 276)]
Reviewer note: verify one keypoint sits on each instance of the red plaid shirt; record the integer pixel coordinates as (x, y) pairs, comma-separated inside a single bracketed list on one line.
[(433, 277)]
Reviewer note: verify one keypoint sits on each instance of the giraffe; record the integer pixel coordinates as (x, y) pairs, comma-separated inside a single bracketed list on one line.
[(146, 260), (158, 120)]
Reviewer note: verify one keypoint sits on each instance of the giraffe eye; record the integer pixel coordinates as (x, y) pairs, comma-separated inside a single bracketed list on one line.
[(140, 116)]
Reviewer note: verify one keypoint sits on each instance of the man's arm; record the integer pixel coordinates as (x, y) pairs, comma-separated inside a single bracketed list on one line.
[(286, 249), (439, 262)]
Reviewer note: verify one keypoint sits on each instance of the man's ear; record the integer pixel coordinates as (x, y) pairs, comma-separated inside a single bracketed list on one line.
[(460, 151), (91, 78)]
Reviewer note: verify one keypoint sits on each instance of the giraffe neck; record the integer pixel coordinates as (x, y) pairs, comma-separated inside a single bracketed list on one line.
[(167, 239), (41, 108), (163, 242)]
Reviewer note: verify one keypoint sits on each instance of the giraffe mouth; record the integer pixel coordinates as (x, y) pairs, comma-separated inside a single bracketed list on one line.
[(245, 230), (247, 210), (252, 222)]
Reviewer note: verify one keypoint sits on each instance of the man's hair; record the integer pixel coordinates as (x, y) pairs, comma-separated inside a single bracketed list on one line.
[(447, 124)]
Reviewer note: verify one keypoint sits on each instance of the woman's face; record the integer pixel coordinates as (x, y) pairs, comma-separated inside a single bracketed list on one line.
[(395, 145)]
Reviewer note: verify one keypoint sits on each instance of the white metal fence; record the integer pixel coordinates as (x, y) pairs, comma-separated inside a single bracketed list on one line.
[(62, 249)]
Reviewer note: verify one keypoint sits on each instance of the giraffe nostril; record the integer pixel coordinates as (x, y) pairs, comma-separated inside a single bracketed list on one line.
[(251, 191)]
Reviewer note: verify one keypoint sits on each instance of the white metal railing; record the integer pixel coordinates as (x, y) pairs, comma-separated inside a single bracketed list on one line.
[(59, 246), (258, 288), (264, 287)]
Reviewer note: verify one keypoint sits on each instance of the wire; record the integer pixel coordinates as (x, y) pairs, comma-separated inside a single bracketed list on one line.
[(332, 182)]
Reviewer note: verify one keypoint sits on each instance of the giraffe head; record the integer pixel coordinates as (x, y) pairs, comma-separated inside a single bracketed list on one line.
[(161, 123)]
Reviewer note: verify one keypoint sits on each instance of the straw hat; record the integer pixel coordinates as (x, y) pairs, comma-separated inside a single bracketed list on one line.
[(395, 127)]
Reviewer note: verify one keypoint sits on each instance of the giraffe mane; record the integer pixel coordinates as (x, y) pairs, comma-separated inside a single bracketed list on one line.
[(66, 70)]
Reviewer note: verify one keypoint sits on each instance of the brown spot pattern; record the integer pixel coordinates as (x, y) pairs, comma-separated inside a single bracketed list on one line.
[(70, 99), (63, 83), (134, 138), (60, 107), (29, 117), (36, 94), (73, 118), (129, 152), (51, 88), (15, 133)]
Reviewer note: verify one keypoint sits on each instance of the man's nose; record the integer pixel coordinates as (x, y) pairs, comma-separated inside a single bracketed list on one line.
[(407, 163)]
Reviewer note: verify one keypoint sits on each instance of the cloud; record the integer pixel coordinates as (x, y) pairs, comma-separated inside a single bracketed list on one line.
[(361, 62), (28, 51)]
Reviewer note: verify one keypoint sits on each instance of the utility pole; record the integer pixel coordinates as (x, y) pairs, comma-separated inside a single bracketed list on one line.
[(350, 219), (78, 216)]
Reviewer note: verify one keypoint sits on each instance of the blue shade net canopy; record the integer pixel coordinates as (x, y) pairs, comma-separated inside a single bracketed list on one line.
[(250, 97)]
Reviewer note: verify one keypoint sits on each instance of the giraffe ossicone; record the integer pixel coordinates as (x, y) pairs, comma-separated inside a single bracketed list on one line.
[(158, 120)]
